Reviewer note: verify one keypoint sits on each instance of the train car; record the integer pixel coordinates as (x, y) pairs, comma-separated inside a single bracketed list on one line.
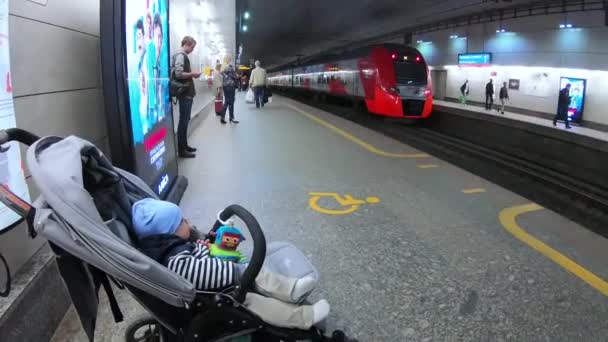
[(393, 80)]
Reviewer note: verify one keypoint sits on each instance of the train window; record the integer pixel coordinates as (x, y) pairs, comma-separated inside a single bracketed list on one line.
[(410, 72)]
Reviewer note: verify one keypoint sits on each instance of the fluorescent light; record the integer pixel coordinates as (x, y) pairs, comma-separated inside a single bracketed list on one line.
[(246, 15), (245, 28), (569, 25), (562, 26)]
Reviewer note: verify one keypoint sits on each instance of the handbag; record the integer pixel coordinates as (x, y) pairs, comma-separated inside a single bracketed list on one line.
[(176, 86), (250, 98)]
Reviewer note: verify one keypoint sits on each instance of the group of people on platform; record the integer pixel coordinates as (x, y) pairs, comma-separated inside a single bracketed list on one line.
[(226, 82), (503, 95), (562, 107)]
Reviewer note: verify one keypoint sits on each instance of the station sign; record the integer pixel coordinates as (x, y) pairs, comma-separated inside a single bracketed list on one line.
[(475, 59)]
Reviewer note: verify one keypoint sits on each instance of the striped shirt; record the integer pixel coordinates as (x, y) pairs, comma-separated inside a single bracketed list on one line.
[(205, 272)]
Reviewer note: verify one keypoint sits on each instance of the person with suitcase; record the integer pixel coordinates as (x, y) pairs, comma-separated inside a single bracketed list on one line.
[(217, 90), (229, 84)]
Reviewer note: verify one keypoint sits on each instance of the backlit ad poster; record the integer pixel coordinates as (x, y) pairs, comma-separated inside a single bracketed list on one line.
[(11, 167), (147, 49)]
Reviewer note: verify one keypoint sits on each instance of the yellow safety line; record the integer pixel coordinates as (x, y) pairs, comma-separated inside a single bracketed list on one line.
[(473, 191), (427, 166), (356, 140), (508, 220)]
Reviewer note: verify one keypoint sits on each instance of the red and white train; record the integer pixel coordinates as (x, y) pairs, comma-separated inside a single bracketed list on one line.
[(393, 80)]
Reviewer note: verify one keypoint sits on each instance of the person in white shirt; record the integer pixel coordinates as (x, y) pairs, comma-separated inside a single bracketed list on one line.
[(257, 82)]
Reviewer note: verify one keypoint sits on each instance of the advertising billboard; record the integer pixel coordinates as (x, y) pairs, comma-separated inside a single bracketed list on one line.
[(11, 170), (576, 106), (147, 52), (135, 67)]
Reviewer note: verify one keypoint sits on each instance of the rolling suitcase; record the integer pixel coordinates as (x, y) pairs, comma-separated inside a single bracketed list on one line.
[(219, 104)]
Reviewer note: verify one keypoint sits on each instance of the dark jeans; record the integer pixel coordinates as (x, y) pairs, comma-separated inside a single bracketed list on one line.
[(562, 115), (258, 93), (489, 101), (185, 108), (229, 94)]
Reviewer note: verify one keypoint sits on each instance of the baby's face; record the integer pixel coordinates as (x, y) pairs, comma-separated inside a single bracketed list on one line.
[(184, 230)]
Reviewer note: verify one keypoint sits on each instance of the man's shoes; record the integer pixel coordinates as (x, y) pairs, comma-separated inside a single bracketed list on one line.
[(223, 122), (234, 121), (186, 154), (568, 127), (190, 149)]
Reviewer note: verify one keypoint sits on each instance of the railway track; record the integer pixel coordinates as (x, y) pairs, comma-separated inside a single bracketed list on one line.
[(580, 201)]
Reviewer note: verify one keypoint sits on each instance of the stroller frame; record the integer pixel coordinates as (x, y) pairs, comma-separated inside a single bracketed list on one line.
[(86, 261)]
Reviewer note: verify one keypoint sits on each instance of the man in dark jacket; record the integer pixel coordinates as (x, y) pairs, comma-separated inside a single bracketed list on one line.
[(183, 71), (562, 106), (231, 81), (489, 95), (503, 96)]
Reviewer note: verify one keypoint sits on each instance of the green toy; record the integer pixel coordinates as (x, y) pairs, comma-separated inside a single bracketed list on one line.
[(227, 239)]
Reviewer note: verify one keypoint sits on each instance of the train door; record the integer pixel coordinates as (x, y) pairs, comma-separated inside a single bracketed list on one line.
[(439, 79)]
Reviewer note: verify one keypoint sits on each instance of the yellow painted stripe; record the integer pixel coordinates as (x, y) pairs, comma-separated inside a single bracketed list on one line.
[(427, 166), (473, 191), (508, 220), (356, 140)]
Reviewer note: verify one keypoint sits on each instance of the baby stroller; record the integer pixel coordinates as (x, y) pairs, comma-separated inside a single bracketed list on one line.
[(84, 211)]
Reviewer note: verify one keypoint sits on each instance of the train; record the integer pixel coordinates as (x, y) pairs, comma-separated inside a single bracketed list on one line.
[(392, 80)]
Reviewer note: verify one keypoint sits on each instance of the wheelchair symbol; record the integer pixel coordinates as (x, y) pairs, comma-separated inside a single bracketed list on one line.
[(351, 204)]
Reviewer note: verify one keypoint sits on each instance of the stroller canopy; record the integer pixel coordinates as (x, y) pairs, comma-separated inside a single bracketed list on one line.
[(85, 208)]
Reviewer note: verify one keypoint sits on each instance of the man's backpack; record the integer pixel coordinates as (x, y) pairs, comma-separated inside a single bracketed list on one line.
[(176, 86)]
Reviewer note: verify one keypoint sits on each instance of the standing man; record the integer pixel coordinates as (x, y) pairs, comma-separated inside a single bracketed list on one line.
[(489, 95), (504, 96), (258, 84), (230, 82), (562, 106), (464, 92), (183, 72)]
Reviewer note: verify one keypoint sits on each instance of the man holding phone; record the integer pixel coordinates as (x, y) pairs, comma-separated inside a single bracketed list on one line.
[(183, 72)]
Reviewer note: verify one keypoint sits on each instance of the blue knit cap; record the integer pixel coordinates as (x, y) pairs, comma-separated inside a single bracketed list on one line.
[(153, 217)]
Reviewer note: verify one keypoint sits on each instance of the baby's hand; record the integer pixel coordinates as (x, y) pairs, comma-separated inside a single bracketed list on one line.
[(203, 242)]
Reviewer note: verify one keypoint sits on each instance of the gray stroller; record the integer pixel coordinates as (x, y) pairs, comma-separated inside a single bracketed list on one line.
[(84, 211)]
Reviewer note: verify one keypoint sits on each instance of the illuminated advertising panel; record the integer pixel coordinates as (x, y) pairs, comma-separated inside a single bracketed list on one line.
[(11, 171), (147, 50), (576, 105)]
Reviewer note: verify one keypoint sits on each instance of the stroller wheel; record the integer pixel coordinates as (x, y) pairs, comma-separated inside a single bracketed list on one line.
[(340, 336), (144, 329)]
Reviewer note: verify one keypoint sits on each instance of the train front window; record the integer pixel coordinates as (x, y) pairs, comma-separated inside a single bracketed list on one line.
[(410, 72)]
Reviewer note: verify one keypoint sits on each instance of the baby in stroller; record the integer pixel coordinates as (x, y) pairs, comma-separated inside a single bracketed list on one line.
[(165, 236)]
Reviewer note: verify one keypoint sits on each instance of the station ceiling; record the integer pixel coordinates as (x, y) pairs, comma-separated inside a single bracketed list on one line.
[(279, 30)]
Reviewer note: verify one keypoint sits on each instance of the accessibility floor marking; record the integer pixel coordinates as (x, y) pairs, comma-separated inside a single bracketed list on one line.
[(356, 140), (427, 166), (508, 219), (473, 191)]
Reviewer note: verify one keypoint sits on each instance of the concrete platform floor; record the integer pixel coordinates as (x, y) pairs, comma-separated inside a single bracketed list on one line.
[(441, 257)]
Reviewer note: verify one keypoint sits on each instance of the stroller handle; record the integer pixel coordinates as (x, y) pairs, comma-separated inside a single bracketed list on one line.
[(259, 246), (17, 134)]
